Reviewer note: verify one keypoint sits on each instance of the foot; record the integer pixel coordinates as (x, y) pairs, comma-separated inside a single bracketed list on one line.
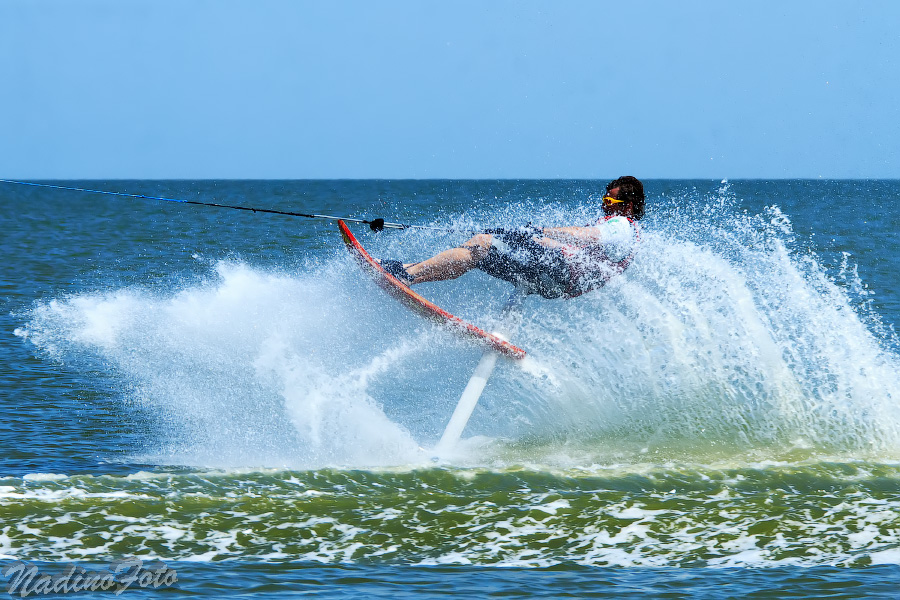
[(396, 268)]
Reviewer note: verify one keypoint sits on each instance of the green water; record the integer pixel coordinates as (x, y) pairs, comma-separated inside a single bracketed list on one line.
[(812, 513)]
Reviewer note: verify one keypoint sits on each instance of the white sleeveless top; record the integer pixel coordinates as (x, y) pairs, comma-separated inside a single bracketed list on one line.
[(618, 237)]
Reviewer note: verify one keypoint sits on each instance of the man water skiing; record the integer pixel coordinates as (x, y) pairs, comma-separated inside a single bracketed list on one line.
[(551, 261)]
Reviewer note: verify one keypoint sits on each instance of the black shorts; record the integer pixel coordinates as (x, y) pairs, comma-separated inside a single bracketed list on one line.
[(515, 257)]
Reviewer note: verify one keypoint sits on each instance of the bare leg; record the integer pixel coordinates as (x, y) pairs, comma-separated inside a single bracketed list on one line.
[(452, 263)]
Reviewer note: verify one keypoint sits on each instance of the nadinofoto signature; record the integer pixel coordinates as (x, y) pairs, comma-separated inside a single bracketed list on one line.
[(26, 579)]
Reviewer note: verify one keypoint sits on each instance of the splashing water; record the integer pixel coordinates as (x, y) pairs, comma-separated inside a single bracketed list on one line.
[(725, 337)]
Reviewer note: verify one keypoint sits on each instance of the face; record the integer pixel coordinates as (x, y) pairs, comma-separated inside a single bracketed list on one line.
[(611, 207)]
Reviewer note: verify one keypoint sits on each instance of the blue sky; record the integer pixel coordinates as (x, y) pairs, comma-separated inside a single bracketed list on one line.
[(467, 89)]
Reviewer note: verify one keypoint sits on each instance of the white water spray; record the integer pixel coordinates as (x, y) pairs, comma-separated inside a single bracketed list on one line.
[(723, 334)]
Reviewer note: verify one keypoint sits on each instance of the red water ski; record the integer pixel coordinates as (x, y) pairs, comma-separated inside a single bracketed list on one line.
[(420, 305)]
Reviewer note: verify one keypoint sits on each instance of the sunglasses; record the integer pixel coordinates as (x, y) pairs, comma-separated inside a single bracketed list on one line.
[(611, 200)]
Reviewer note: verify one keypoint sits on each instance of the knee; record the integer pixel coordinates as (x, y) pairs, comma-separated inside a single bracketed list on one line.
[(478, 245)]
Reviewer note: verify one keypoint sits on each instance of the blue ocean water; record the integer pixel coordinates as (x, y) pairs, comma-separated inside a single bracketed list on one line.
[(223, 391)]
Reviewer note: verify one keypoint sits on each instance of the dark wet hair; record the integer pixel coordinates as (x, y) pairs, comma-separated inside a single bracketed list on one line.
[(630, 190)]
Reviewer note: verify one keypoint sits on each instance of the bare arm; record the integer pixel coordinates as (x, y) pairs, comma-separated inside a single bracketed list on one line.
[(576, 236)]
